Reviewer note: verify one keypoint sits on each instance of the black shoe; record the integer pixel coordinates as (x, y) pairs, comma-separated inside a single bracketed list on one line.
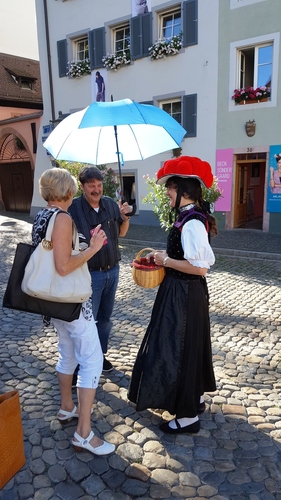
[(107, 366), (192, 428), (201, 408)]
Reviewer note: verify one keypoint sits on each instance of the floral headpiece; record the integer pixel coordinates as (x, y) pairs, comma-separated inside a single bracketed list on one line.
[(186, 166)]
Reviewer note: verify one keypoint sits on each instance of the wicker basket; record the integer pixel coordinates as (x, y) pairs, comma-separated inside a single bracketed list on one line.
[(147, 274)]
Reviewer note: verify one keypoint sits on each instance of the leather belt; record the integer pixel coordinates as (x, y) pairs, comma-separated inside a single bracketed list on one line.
[(105, 268)]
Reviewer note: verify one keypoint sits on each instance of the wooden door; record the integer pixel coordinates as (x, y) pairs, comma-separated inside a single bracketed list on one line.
[(16, 186), (241, 187)]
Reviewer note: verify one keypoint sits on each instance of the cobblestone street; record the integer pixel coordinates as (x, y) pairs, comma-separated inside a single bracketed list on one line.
[(237, 453)]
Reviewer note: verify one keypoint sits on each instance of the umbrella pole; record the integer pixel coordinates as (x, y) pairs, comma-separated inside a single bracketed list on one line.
[(120, 172), (119, 164)]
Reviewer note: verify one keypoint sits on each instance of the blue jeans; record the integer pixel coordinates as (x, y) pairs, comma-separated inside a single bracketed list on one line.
[(104, 286)]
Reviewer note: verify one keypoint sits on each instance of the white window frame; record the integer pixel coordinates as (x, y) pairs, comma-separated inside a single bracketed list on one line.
[(120, 27), (72, 39), (235, 4), (234, 73), (242, 69), (85, 51), (162, 15), (172, 101)]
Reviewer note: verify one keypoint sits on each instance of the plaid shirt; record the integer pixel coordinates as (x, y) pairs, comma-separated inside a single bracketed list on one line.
[(86, 218)]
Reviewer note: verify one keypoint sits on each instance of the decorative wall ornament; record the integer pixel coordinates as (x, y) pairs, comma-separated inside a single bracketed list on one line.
[(250, 127)]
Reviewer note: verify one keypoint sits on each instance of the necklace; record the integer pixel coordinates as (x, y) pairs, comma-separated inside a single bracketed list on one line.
[(53, 206)]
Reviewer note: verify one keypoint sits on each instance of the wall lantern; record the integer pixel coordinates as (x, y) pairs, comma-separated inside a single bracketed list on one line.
[(250, 127)]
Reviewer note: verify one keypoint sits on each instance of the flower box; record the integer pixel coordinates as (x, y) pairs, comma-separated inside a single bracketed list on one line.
[(115, 61), (253, 101), (250, 95), (163, 48), (76, 69)]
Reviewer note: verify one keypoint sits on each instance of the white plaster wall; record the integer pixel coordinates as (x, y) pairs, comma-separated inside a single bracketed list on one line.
[(194, 70), (18, 33)]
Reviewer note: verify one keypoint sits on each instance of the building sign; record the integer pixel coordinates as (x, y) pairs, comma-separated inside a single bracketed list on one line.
[(224, 162), (47, 129), (274, 180)]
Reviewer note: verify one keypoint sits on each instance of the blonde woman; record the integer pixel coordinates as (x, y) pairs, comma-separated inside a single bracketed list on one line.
[(78, 341)]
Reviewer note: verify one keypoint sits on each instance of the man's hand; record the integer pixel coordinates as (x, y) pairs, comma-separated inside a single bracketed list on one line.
[(125, 208)]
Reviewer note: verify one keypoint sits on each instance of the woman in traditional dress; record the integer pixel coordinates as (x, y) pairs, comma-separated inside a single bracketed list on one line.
[(173, 367)]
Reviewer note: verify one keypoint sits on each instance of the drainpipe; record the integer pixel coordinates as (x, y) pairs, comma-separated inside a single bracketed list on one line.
[(49, 59)]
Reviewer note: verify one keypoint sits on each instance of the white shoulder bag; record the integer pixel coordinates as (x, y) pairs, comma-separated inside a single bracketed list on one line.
[(42, 280)]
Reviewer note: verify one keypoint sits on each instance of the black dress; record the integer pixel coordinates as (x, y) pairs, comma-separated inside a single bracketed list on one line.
[(173, 367)]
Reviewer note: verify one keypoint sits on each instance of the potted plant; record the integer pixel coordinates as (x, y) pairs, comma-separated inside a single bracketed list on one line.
[(115, 61), (165, 47), (250, 94), (161, 203), (76, 69)]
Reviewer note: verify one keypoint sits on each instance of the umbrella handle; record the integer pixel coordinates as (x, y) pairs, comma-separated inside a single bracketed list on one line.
[(133, 211), (134, 208)]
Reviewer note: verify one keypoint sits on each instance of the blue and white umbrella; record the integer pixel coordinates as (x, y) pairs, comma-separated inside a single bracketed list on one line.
[(88, 136), (114, 132)]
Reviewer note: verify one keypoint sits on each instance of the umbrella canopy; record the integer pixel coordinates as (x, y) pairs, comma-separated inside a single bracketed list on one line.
[(90, 135)]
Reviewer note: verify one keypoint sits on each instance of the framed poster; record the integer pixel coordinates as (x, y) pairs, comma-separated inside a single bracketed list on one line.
[(274, 180), (224, 161), (140, 7)]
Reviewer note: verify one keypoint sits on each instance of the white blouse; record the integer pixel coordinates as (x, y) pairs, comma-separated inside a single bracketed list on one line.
[(195, 244)]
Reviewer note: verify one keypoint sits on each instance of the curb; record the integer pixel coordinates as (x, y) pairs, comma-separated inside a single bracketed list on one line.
[(224, 252), (227, 252)]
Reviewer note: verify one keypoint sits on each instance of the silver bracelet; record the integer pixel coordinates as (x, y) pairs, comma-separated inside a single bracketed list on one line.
[(165, 260)]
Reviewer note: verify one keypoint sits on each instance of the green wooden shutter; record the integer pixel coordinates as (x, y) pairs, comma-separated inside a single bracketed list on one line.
[(146, 33), (136, 42), (62, 57), (189, 119), (141, 35), (97, 47), (190, 22)]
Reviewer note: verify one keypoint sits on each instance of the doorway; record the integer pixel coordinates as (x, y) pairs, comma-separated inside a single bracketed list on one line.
[(129, 187), (249, 190), (16, 175), (17, 186)]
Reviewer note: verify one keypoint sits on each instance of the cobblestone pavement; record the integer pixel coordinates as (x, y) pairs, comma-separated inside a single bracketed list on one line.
[(237, 453)]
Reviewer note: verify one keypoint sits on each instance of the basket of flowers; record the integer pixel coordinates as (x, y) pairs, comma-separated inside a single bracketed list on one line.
[(145, 272)]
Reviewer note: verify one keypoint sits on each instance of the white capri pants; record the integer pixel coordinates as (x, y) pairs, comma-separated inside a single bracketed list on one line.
[(78, 343)]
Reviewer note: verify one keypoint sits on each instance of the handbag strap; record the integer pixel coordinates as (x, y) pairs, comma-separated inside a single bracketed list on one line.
[(50, 227)]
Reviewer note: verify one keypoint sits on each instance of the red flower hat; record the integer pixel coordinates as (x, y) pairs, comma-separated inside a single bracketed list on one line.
[(186, 166)]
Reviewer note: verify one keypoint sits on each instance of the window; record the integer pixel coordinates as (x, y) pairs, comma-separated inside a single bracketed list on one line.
[(121, 39), (179, 19), (23, 81), (183, 110), (255, 66), (170, 24), (234, 4), (254, 62), (26, 83), (173, 108), (81, 48)]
